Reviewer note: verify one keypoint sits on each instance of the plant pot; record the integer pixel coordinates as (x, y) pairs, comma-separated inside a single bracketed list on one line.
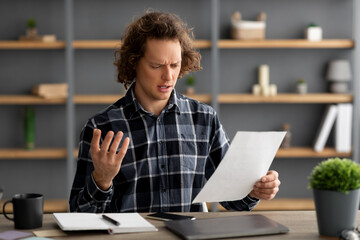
[(301, 88), (313, 33), (335, 211), (31, 32), (190, 90)]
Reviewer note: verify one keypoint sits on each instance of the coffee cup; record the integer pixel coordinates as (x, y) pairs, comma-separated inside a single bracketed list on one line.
[(27, 210)]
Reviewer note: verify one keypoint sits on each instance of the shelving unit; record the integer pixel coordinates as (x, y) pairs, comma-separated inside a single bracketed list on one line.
[(213, 44)]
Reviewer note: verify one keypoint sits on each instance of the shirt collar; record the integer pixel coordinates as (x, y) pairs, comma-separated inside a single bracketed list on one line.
[(173, 104)]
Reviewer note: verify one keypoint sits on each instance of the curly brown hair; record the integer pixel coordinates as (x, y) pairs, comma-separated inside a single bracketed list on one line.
[(154, 25)]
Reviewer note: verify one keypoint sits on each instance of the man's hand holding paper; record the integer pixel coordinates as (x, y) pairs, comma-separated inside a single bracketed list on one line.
[(267, 187)]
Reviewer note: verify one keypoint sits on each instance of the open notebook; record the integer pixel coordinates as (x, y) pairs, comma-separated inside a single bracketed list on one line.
[(129, 222)]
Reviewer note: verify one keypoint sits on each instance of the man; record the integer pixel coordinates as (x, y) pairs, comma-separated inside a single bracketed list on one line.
[(154, 149)]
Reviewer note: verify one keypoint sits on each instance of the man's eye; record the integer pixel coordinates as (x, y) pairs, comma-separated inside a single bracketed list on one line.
[(155, 66), (174, 65)]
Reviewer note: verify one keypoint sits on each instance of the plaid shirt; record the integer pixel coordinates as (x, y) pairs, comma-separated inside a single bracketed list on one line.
[(166, 165)]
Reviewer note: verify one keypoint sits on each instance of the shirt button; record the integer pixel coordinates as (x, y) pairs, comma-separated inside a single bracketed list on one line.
[(162, 165), (159, 120), (164, 190), (160, 142)]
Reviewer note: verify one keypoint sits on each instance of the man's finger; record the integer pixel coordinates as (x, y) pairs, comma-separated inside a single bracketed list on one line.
[(95, 140), (116, 142), (270, 176), (107, 140), (266, 185), (120, 155)]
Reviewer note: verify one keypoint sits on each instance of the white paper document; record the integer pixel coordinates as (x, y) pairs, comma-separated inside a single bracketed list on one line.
[(246, 161)]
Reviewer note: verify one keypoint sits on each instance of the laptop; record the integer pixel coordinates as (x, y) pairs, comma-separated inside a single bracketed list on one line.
[(226, 227)]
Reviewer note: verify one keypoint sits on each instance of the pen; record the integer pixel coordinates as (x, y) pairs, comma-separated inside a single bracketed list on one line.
[(109, 219)]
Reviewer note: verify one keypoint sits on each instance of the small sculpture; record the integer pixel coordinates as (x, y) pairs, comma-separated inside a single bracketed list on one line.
[(264, 87), (286, 143)]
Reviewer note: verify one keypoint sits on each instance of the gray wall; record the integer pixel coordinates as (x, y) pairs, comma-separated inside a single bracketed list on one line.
[(94, 73)]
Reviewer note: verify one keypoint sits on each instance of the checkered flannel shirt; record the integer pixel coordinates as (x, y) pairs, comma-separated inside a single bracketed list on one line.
[(168, 161)]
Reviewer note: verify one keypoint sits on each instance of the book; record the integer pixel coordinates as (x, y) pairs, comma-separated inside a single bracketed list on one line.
[(343, 128), (128, 222), (51, 90), (326, 125)]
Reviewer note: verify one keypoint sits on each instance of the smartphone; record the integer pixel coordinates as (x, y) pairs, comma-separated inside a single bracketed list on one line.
[(169, 216)]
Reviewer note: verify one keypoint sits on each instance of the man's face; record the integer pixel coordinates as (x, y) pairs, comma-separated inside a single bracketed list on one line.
[(158, 71)]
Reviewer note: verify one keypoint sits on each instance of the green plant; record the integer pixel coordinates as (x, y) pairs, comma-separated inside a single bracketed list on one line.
[(31, 23), (313, 25), (301, 81), (335, 174), (190, 81)]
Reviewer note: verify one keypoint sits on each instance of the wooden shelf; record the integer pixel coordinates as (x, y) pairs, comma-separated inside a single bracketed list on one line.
[(96, 44), (28, 100), (286, 43), (31, 45), (223, 43), (39, 153), (112, 44), (206, 98), (50, 206), (308, 152), (109, 99), (286, 98), (58, 153), (96, 98)]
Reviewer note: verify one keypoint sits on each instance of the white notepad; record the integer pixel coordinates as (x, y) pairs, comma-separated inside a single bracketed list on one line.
[(129, 222)]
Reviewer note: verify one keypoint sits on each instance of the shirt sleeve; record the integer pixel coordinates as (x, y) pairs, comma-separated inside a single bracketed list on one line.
[(245, 204), (85, 195), (219, 145)]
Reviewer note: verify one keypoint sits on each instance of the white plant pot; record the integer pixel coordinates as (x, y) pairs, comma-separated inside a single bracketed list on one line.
[(313, 33), (301, 88)]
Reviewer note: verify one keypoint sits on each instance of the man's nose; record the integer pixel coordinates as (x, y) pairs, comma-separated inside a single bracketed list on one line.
[(167, 73)]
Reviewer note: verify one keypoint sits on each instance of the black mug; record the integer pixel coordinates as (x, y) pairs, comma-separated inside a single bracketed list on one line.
[(28, 210)]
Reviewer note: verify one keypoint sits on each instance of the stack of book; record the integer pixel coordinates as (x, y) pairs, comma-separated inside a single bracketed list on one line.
[(338, 116), (51, 90)]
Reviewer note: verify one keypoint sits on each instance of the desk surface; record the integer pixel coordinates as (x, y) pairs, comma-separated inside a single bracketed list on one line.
[(302, 225)]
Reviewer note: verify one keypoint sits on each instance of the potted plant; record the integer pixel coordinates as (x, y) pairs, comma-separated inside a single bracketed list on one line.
[(335, 183), (31, 31), (190, 83), (313, 32), (301, 86)]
